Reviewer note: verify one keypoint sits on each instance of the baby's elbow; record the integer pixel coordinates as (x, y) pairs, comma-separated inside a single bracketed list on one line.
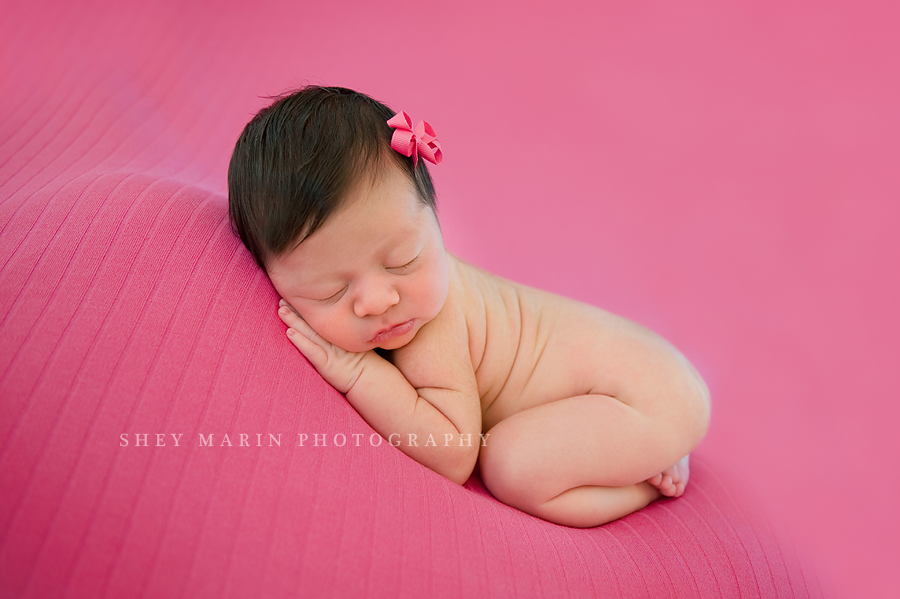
[(460, 477), (462, 464)]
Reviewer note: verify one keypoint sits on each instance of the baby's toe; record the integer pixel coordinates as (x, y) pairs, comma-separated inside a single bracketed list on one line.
[(666, 487)]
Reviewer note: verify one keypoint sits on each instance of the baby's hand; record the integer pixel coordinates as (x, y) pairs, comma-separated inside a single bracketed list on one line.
[(338, 367)]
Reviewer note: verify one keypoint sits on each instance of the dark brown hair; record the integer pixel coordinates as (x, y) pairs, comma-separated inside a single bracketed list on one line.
[(297, 159)]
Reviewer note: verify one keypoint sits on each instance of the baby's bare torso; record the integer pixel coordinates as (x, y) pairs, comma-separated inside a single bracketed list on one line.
[(528, 346)]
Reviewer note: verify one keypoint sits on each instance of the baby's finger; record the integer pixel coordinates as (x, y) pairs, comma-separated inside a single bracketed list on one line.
[(293, 320), (315, 354), (284, 302)]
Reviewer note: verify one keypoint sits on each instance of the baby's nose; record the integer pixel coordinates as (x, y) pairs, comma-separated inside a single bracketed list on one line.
[(375, 299)]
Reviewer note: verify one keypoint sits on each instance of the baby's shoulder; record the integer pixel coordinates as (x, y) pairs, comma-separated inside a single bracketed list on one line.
[(487, 295), (473, 292), (490, 304), (474, 286)]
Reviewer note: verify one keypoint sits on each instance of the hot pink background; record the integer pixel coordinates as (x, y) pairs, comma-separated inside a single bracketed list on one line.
[(725, 173)]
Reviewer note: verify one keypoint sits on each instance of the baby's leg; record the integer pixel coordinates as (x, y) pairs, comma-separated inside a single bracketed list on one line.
[(580, 461)]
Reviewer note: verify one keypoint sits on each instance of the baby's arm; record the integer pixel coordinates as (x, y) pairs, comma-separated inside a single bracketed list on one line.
[(430, 425)]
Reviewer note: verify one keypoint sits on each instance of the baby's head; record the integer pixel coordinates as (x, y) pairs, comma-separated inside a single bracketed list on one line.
[(344, 226)]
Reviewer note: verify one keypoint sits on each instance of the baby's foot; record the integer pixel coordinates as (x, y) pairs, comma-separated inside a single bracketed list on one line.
[(672, 481)]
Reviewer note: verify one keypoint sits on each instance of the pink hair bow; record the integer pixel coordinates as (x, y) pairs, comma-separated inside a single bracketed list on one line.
[(411, 141)]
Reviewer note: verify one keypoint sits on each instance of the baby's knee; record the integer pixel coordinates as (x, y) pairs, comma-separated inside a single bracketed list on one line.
[(508, 474)]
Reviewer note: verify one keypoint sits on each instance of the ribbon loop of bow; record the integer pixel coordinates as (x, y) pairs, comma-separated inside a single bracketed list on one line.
[(415, 141)]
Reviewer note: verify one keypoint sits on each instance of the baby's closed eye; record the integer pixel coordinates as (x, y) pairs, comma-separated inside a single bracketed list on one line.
[(402, 269), (333, 298), (404, 266)]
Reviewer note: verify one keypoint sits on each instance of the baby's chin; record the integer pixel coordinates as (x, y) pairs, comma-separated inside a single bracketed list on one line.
[(395, 343)]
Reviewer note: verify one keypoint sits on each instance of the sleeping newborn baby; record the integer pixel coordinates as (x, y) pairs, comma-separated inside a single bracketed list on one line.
[(572, 414)]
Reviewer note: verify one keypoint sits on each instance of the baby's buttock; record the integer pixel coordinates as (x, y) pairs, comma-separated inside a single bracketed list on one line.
[(528, 346)]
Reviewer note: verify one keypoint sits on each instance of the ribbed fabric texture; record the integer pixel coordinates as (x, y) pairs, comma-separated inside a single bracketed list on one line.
[(130, 313)]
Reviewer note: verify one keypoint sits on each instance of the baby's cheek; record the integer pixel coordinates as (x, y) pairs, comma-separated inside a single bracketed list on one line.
[(435, 294), (332, 328)]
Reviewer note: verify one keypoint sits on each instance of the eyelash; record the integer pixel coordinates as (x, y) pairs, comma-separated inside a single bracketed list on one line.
[(407, 265), (333, 298)]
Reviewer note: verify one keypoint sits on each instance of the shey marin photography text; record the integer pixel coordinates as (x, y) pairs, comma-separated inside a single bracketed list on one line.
[(302, 440)]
